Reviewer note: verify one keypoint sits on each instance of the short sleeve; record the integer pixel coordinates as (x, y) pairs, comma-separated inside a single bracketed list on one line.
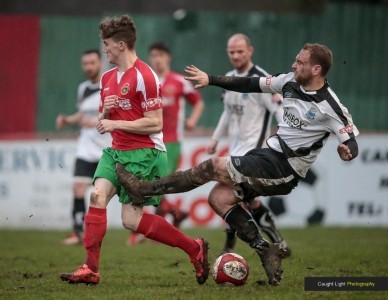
[(149, 86)]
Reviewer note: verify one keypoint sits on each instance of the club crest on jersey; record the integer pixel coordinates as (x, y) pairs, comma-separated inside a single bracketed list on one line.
[(125, 89), (311, 113), (124, 104)]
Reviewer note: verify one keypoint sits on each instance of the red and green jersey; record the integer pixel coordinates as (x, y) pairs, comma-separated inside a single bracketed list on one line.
[(175, 89), (138, 91)]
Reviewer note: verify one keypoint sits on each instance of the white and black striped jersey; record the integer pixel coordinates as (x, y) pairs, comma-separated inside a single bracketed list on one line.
[(308, 119), (90, 142), (247, 116)]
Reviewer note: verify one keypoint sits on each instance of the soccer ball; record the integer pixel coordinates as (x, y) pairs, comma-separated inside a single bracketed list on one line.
[(230, 268)]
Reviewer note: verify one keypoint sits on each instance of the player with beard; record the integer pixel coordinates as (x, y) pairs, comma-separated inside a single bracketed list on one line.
[(312, 111)]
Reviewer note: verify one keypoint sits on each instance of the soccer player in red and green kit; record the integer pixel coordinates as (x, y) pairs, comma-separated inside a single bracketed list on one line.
[(131, 110)]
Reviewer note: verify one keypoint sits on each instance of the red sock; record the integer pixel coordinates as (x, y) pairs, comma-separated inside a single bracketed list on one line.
[(158, 229), (95, 229)]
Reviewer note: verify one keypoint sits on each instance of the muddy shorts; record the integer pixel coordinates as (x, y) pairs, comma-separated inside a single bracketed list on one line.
[(262, 172)]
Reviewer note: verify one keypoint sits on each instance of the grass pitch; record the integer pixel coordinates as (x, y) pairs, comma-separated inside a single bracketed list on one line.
[(31, 261)]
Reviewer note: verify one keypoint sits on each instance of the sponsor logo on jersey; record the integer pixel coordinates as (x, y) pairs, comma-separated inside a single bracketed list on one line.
[(268, 80), (311, 113), (287, 95), (236, 109), (124, 104), (151, 103), (106, 89), (292, 120), (125, 89), (347, 129)]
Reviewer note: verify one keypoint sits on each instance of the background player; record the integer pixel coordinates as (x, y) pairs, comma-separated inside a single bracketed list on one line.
[(247, 117), (175, 92), (90, 143)]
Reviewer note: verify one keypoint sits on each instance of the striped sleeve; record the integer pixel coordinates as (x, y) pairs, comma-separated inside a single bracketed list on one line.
[(341, 122), (148, 85)]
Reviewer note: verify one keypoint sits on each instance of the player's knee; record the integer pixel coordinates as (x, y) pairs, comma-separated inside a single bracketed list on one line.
[(131, 216), (221, 199), (129, 224), (98, 200), (218, 163)]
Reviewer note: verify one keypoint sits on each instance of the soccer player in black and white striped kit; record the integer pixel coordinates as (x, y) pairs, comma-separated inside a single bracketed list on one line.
[(247, 117), (312, 111)]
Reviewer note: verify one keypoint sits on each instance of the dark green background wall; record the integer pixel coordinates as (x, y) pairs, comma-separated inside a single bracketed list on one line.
[(357, 34)]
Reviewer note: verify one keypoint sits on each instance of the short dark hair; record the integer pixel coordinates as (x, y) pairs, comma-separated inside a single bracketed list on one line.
[(159, 46), (91, 51), (119, 29), (320, 55)]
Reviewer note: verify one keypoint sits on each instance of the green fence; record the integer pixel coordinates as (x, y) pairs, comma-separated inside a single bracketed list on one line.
[(357, 34)]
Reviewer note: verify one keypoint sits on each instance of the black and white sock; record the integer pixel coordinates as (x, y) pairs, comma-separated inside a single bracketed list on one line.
[(245, 226), (78, 215), (264, 219)]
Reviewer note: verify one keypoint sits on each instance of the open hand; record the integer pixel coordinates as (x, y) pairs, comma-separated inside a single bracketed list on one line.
[(197, 75)]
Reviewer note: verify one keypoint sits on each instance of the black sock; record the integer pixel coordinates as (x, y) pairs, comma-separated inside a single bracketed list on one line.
[(245, 226), (230, 241), (263, 218), (78, 215)]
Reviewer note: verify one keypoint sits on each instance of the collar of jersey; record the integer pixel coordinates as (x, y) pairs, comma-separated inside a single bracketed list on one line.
[(307, 92)]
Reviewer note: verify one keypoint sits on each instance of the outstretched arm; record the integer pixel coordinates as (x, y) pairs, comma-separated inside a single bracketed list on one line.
[(236, 84), (348, 150)]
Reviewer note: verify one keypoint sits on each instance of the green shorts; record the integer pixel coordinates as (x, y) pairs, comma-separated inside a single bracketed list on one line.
[(147, 164), (173, 155)]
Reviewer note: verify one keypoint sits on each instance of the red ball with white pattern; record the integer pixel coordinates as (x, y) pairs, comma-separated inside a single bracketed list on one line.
[(230, 269)]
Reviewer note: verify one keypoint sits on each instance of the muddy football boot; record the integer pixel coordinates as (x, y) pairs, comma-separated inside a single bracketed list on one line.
[(200, 262), (271, 259)]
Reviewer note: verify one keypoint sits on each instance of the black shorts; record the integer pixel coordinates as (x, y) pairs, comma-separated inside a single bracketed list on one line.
[(84, 168), (262, 172)]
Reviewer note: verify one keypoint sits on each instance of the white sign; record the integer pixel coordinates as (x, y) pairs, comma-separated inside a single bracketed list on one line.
[(36, 187)]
